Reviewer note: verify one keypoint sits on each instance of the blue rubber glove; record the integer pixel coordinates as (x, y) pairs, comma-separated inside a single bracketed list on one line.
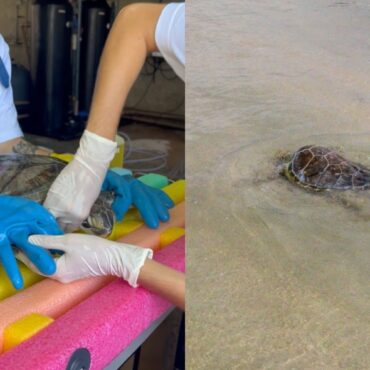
[(20, 218), (152, 203)]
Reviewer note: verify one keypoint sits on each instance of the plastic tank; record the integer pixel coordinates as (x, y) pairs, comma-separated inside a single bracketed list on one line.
[(96, 17), (51, 72)]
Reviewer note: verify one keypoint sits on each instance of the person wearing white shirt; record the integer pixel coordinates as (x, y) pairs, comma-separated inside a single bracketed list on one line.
[(11, 136)]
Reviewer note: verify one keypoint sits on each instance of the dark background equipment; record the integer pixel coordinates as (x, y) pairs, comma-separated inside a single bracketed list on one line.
[(67, 39), (63, 41), (50, 69), (96, 17)]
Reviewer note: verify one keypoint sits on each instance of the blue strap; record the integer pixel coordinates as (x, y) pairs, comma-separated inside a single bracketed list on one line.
[(4, 75)]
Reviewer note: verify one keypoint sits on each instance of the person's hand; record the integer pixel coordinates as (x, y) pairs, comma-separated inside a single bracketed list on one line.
[(88, 255), (19, 218), (77, 187), (152, 203)]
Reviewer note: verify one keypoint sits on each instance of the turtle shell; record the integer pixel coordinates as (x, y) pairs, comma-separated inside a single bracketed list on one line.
[(31, 176), (322, 168)]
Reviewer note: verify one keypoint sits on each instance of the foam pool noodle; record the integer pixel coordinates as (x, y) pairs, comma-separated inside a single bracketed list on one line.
[(23, 329), (133, 220), (170, 235), (105, 323), (154, 180), (65, 157), (29, 278), (53, 299)]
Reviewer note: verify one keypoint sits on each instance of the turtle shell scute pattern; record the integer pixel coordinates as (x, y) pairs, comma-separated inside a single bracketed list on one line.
[(322, 168)]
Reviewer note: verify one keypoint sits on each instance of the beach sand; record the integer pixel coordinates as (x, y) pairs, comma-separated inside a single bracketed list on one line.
[(277, 277)]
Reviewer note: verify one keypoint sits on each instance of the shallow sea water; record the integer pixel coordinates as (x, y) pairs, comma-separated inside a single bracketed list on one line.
[(278, 277)]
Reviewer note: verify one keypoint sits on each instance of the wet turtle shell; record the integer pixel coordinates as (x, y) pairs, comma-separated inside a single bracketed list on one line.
[(321, 168)]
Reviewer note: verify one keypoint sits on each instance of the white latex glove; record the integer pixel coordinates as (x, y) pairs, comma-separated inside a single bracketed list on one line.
[(88, 255), (77, 187)]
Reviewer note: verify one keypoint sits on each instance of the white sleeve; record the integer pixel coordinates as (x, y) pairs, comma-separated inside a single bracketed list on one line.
[(9, 126), (170, 36)]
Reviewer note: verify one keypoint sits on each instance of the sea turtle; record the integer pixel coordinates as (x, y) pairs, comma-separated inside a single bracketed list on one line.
[(31, 176), (320, 168)]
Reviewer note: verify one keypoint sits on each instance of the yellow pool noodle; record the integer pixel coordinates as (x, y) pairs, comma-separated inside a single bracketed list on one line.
[(23, 329), (132, 220), (66, 157), (6, 287), (170, 235), (123, 228), (176, 191)]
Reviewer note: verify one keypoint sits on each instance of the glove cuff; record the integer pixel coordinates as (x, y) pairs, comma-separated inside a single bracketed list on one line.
[(134, 274), (96, 148)]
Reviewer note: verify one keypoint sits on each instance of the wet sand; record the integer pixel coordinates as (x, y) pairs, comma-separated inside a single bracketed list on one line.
[(278, 277)]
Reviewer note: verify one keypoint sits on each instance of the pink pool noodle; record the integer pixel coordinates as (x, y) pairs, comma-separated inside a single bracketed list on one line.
[(52, 298), (105, 323)]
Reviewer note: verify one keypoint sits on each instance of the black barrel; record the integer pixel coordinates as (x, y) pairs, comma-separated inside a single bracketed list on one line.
[(95, 27), (51, 67)]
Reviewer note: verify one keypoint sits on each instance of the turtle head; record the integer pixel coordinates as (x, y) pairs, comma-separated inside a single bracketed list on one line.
[(283, 160), (282, 168), (285, 169)]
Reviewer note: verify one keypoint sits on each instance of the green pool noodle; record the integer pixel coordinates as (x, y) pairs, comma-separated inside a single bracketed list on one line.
[(154, 180)]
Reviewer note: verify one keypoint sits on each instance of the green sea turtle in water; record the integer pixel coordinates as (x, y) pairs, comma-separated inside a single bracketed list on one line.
[(31, 176), (320, 168)]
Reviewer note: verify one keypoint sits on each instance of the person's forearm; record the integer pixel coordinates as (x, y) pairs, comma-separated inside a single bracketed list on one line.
[(131, 38), (164, 281)]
